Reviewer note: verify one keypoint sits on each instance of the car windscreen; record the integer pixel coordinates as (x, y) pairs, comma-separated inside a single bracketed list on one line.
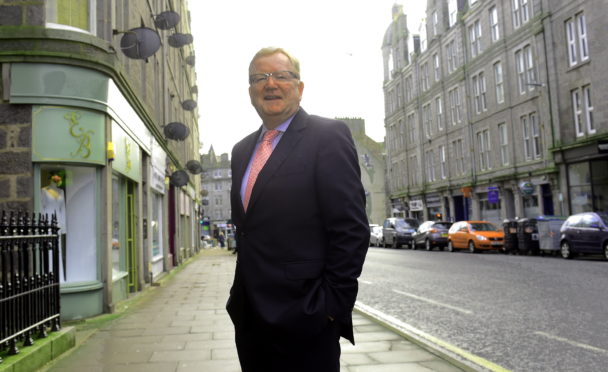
[(442, 225), (406, 224), (483, 226)]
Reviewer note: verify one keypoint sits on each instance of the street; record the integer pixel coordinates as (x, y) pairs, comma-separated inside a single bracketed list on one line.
[(524, 313)]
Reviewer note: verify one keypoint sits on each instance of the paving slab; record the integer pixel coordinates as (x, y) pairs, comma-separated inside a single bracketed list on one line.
[(182, 326)]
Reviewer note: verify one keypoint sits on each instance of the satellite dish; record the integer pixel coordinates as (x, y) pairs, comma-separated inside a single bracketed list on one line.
[(167, 20), (176, 131), (178, 40), (140, 43), (189, 105), (194, 166), (179, 178)]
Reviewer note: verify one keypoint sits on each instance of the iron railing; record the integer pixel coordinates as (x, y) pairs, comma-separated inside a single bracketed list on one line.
[(29, 280)]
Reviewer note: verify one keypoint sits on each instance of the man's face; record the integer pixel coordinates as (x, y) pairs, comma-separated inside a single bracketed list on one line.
[(274, 100)]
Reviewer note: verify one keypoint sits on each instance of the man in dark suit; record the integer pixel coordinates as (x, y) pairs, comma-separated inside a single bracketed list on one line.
[(302, 230)]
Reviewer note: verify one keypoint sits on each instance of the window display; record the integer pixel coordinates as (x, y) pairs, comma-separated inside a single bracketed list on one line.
[(70, 193)]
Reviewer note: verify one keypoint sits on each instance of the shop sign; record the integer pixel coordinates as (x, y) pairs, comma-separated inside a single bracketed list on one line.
[(493, 195), (62, 134), (128, 154), (157, 180), (416, 205), (433, 200), (526, 188), (158, 161), (466, 191)]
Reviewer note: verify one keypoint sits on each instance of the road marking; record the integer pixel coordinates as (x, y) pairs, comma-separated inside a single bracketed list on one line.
[(365, 282), (459, 309), (573, 343), (421, 337)]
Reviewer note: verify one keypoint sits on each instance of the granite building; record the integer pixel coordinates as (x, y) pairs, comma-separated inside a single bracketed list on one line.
[(98, 99), (489, 111)]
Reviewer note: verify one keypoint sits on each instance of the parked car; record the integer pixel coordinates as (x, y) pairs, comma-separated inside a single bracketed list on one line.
[(584, 233), (375, 235), (397, 231), (475, 236), (431, 234)]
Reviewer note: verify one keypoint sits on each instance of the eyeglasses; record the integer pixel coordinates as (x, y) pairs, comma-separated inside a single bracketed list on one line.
[(279, 76)]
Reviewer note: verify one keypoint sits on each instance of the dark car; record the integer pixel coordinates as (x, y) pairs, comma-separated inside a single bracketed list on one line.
[(585, 233), (431, 234), (397, 231)]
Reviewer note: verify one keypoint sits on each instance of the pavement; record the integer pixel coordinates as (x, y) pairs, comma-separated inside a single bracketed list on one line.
[(181, 325)]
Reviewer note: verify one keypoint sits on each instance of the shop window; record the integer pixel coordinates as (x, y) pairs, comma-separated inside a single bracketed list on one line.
[(531, 206), (579, 180), (118, 231), (600, 185), (157, 225), (489, 211), (70, 192)]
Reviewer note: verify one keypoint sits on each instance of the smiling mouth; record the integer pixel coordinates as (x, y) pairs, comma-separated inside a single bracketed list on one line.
[(270, 98)]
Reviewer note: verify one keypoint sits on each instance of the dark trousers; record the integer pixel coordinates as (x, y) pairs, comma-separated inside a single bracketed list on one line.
[(259, 352)]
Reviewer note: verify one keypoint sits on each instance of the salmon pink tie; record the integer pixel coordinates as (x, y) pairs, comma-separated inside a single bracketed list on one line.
[(260, 158)]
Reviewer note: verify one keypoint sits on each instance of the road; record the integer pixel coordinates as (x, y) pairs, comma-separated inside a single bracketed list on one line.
[(523, 313)]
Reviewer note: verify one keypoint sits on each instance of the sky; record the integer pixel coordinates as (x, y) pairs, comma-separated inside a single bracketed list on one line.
[(338, 43)]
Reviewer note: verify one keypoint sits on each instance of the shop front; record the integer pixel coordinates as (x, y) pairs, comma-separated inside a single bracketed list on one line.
[(588, 186), (126, 180), (88, 149), (490, 205), (68, 152), (416, 207), (157, 210), (434, 209)]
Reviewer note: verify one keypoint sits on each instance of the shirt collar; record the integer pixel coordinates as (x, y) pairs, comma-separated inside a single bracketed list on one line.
[(281, 128)]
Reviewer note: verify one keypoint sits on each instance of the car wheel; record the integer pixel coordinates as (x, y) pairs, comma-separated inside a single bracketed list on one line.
[(565, 250), (606, 250), (427, 245), (472, 247), (450, 246)]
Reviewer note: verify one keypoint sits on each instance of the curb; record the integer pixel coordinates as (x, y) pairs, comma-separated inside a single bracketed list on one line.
[(43, 351), (450, 353)]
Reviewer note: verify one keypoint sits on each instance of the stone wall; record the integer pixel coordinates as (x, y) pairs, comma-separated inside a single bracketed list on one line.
[(21, 12), (16, 172)]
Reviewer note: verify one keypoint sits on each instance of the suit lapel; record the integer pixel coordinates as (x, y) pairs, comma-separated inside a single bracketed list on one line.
[(284, 148)]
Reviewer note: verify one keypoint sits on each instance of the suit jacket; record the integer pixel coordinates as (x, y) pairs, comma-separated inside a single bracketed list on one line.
[(302, 242)]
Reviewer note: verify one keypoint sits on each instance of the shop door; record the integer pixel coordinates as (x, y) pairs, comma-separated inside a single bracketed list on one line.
[(460, 208), (131, 239), (547, 200)]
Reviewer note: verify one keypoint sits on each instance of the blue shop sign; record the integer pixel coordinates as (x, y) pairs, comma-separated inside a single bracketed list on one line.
[(493, 195)]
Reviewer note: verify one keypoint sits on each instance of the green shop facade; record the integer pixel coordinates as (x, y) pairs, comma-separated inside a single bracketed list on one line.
[(123, 223)]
